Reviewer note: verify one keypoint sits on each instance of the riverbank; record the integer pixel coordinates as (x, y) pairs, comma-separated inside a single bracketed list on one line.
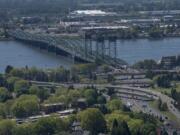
[(6, 39)]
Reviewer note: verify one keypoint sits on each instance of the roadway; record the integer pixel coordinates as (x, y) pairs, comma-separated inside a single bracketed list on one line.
[(155, 94)]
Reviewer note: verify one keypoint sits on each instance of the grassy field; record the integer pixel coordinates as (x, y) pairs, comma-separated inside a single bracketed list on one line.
[(154, 104), (167, 90)]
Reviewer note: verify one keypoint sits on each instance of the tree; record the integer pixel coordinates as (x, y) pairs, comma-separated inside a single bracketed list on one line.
[(7, 107), (163, 81), (6, 127), (2, 111), (175, 133), (162, 106), (33, 90), (101, 100), (73, 96), (114, 104), (155, 32), (146, 64), (110, 78), (23, 129), (49, 125), (106, 68), (126, 108), (110, 91), (120, 128), (148, 129), (4, 94), (150, 74), (115, 130), (75, 78), (2, 81), (103, 108), (91, 96), (11, 82), (92, 120), (174, 93), (45, 126), (25, 106), (8, 69), (84, 68), (135, 124), (63, 133), (125, 127), (164, 132), (21, 87), (60, 75), (40, 92), (138, 132)]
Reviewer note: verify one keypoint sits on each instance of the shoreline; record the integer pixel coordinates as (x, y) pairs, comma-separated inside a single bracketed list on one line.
[(6, 39)]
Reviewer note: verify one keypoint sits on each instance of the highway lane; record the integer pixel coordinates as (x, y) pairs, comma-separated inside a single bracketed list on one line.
[(156, 94), (142, 106)]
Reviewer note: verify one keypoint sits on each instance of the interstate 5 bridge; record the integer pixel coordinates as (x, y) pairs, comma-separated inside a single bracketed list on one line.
[(53, 44), (75, 48)]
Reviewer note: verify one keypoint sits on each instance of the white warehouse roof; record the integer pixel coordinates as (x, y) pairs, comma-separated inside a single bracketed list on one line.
[(91, 12)]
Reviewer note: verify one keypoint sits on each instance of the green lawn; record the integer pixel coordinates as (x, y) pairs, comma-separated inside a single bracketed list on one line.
[(154, 104), (167, 90), (162, 90)]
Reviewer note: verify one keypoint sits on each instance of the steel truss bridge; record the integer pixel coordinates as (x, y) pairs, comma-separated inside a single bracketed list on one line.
[(80, 49)]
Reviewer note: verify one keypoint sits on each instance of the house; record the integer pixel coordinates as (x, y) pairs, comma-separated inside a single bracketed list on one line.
[(51, 108), (168, 62)]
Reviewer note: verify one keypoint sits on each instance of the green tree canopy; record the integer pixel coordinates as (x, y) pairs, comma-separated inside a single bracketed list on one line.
[(146, 64), (92, 120), (148, 129), (4, 94), (91, 96), (49, 126), (114, 104), (120, 128), (40, 92), (6, 127), (25, 105), (24, 129), (21, 87)]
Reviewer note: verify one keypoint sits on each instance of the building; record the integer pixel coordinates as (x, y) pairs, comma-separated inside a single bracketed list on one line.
[(90, 15), (148, 21), (51, 108), (168, 18), (168, 62), (82, 13), (31, 20)]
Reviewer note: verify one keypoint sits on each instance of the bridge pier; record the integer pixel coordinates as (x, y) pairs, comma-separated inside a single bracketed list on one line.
[(101, 49), (86, 47), (51, 48), (43, 46), (113, 47), (91, 47)]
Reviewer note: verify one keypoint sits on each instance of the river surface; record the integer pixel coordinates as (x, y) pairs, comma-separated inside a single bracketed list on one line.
[(140, 49), (19, 55)]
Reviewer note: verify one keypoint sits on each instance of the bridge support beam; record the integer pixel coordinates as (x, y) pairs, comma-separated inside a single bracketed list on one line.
[(112, 46)]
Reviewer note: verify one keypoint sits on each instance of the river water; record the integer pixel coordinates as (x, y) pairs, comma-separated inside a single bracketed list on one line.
[(140, 49), (19, 55)]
